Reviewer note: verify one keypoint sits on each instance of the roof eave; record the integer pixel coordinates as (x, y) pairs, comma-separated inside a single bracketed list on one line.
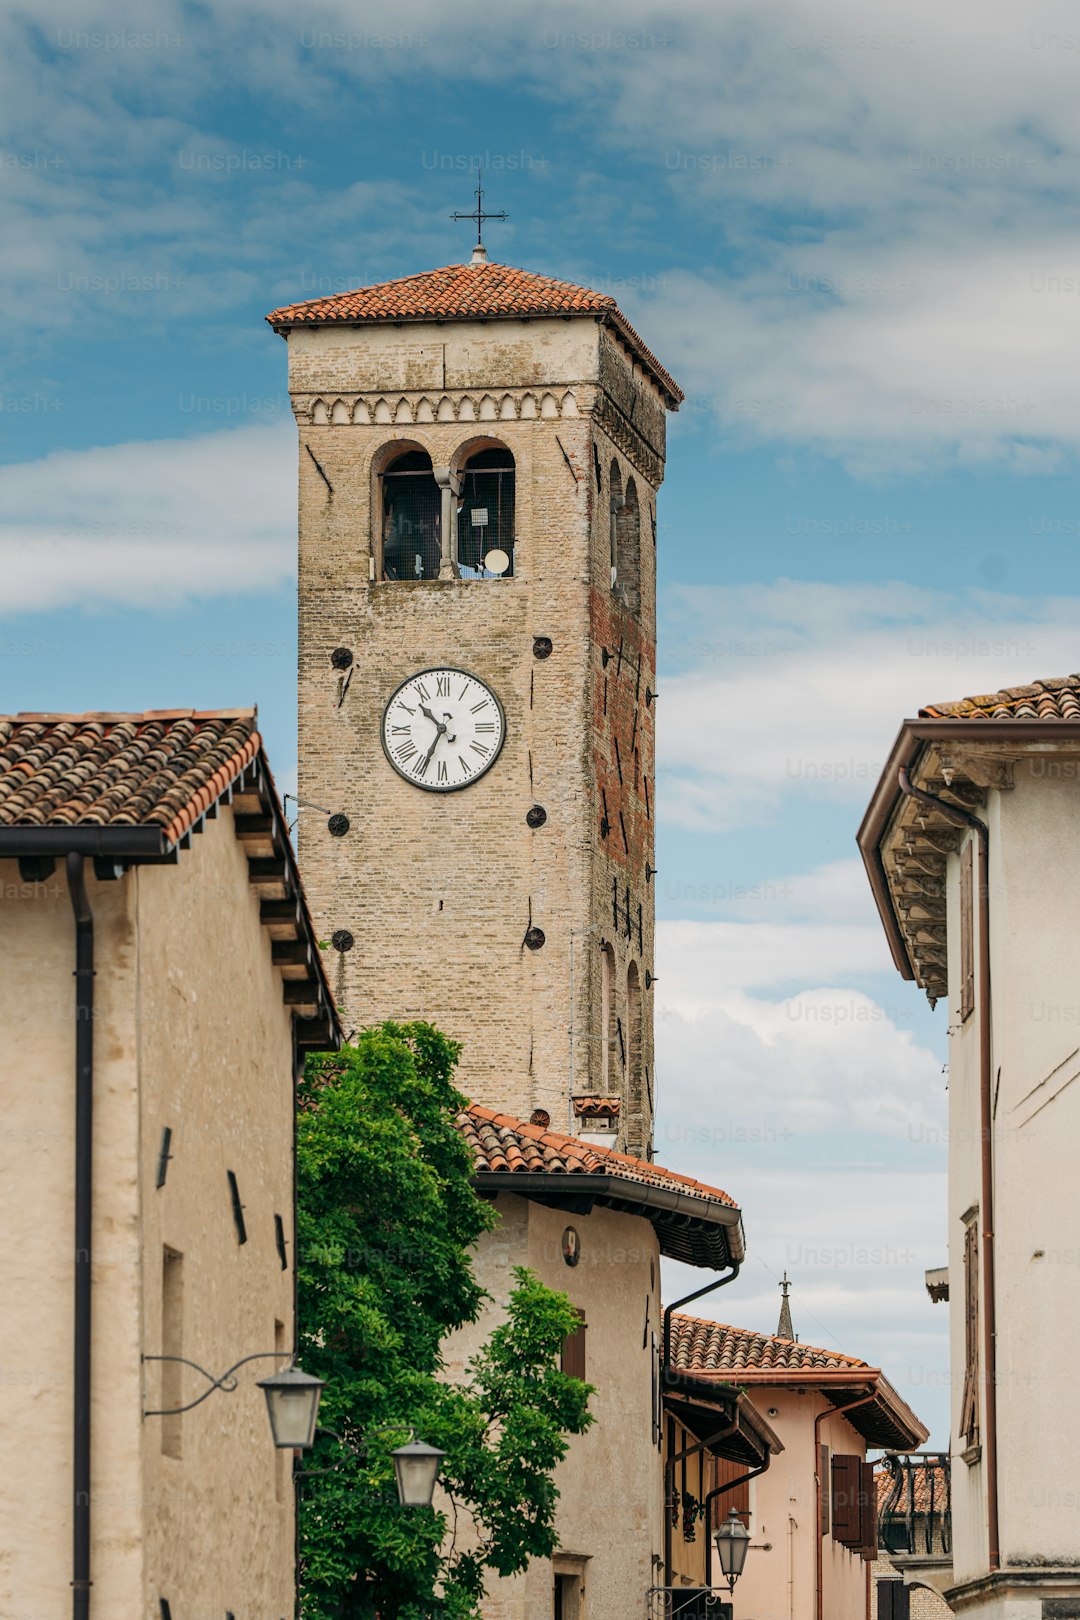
[(912, 740), (665, 382), (896, 1425), (748, 1419), (547, 1186)]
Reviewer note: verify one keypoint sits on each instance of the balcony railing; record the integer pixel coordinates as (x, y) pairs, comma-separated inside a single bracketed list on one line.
[(915, 1505)]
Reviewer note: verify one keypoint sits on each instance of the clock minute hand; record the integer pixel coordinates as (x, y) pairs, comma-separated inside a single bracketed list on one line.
[(427, 759)]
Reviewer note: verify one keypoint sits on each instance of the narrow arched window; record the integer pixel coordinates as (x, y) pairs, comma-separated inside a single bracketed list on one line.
[(628, 566), (486, 515), (634, 1104), (614, 508), (411, 502), (607, 1013)]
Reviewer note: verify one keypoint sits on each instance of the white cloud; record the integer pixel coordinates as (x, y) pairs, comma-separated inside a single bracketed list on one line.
[(904, 292), (150, 524), (800, 687)]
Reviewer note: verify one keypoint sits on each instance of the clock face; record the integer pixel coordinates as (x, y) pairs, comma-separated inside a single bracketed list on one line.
[(442, 729)]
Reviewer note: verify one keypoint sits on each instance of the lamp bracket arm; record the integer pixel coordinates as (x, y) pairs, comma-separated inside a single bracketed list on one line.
[(226, 1382)]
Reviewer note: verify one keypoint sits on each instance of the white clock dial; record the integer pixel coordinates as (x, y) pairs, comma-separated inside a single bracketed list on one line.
[(442, 729)]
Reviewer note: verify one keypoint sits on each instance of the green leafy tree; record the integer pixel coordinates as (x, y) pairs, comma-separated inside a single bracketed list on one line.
[(387, 1218)]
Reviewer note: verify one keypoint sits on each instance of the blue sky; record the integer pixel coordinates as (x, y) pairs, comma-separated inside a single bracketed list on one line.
[(853, 241)]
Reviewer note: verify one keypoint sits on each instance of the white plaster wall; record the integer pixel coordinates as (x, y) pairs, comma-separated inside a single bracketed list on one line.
[(611, 1482), (1034, 903), (1035, 906), (964, 1192)]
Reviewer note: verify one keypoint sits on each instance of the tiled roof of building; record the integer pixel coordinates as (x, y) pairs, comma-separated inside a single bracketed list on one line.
[(471, 292), (694, 1222), (704, 1351), (132, 788), (160, 769), (1055, 699), (499, 1142), (597, 1107), (699, 1346)]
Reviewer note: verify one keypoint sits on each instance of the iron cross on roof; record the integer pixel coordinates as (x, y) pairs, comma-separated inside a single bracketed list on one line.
[(478, 214)]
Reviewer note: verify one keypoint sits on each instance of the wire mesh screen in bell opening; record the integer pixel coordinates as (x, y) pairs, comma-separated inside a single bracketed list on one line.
[(486, 514), (411, 510)]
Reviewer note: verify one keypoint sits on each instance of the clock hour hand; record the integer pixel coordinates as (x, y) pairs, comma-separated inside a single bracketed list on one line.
[(425, 710)]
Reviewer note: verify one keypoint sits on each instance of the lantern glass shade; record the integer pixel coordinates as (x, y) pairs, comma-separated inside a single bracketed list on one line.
[(292, 1401), (417, 1468), (732, 1539)]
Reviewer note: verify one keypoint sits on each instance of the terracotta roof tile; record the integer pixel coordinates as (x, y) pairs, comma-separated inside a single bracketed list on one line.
[(734, 1355), (496, 1139), (1056, 699), (597, 1107), (917, 1496), (464, 292), (162, 768), (698, 1346)]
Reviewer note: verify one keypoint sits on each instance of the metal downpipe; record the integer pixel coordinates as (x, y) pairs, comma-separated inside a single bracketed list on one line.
[(84, 1165)]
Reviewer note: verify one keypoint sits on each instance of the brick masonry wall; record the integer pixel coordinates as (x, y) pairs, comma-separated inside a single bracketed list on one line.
[(439, 889)]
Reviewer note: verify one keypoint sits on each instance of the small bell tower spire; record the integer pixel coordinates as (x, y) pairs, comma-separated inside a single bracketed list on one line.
[(785, 1329)]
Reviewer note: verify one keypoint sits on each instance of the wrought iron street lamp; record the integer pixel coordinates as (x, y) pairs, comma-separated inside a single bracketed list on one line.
[(292, 1403), (732, 1539), (416, 1468)]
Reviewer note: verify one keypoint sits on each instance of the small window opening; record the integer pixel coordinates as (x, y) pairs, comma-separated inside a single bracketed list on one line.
[(412, 504), (486, 514)]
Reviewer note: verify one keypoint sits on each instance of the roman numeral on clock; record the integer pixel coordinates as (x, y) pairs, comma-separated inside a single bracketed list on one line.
[(399, 731), (405, 751), (483, 704), (481, 749), (485, 725), (442, 686), (442, 777)]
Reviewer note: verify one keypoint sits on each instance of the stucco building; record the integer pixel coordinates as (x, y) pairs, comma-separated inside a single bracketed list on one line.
[(812, 1515), (970, 846), (161, 983)]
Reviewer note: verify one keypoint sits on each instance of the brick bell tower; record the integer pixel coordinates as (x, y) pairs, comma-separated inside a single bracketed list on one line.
[(480, 450)]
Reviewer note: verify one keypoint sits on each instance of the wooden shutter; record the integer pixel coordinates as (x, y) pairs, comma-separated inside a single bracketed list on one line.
[(824, 1491), (846, 1488), (967, 933), (969, 1402), (573, 1350), (868, 1511), (739, 1498), (893, 1600)]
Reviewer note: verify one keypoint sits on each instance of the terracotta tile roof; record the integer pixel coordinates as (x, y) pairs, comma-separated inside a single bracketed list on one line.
[(706, 1350), (698, 1224), (917, 1497), (698, 1346), (163, 768), (464, 292), (501, 1143), (597, 1107), (1056, 699)]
